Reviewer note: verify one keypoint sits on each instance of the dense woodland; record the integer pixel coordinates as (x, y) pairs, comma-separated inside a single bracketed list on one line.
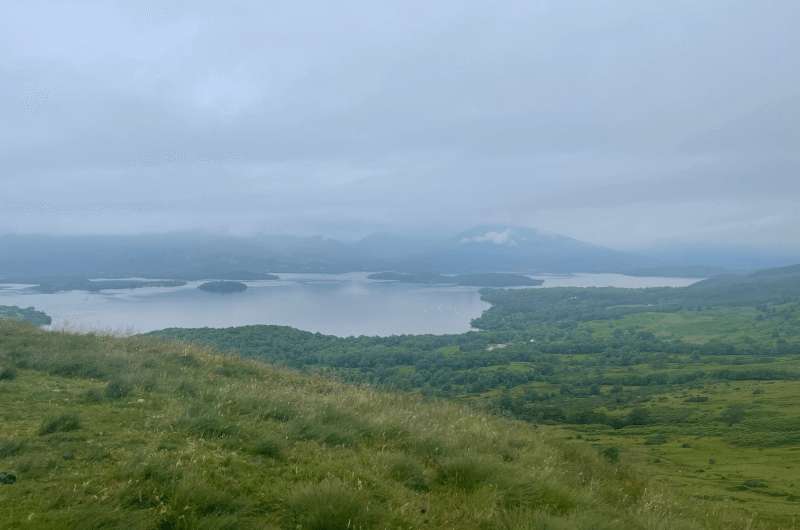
[(223, 287), (25, 314)]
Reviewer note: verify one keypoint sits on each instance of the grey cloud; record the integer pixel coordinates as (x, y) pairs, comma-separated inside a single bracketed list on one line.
[(623, 122)]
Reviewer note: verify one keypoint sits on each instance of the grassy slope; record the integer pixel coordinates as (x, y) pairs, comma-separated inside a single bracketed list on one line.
[(171, 436)]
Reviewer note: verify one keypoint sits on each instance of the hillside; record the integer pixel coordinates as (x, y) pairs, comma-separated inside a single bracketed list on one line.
[(101, 432)]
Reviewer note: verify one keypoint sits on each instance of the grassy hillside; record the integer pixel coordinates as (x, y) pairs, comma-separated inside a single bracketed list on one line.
[(103, 432)]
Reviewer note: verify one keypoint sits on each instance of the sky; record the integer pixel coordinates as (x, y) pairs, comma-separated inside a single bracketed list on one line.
[(626, 123)]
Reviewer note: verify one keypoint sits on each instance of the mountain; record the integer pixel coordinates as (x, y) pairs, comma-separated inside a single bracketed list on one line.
[(518, 249), (139, 433), (718, 257), (768, 285), (386, 249), (183, 256), (190, 256)]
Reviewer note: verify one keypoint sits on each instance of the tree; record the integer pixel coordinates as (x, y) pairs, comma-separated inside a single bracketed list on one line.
[(732, 414)]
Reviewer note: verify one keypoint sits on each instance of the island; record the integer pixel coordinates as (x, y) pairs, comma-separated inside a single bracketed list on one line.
[(27, 314), (57, 285), (487, 279), (245, 276), (407, 277), (223, 287)]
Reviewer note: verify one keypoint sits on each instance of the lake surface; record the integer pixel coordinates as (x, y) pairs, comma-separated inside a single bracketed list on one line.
[(337, 304)]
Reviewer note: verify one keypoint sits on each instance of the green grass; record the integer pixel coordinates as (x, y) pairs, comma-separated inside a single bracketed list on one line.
[(709, 460), (205, 441), (62, 423)]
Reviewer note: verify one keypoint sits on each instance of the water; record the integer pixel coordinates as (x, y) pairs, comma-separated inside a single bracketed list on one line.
[(337, 304)]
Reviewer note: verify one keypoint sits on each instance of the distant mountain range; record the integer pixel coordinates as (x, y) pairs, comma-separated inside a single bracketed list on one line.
[(186, 256)]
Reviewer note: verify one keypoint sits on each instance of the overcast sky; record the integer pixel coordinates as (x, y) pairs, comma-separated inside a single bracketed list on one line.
[(625, 123)]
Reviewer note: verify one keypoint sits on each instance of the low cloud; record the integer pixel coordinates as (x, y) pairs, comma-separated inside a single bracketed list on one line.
[(498, 238)]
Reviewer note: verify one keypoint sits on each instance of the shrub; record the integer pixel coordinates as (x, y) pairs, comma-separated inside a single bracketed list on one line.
[(206, 422), (466, 472), (611, 454), (10, 447), (62, 423), (541, 496), (638, 416), (331, 505), (150, 484), (656, 439), (195, 494), (696, 399), (409, 472), (429, 449), (331, 427), (732, 414), (269, 447), (186, 389), (117, 389), (7, 373), (278, 411), (93, 395)]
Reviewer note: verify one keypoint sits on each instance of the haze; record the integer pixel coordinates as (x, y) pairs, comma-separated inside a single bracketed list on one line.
[(629, 124)]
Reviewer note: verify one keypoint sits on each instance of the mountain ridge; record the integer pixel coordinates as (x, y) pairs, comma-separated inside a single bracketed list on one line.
[(191, 255)]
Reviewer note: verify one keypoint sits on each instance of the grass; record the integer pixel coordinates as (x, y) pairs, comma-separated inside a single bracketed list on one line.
[(206, 441), (10, 447), (61, 423), (709, 460), (268, 446), (468, 473), (332, 505)]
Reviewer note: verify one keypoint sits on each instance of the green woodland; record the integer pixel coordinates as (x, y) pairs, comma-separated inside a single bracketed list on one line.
[(697, 386), (25, 314), (223, 287)]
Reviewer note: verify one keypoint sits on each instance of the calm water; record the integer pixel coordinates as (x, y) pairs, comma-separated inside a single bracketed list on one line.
[(339, 304)]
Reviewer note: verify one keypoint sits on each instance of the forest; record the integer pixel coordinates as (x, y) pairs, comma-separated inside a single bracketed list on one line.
[(25, 314)]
